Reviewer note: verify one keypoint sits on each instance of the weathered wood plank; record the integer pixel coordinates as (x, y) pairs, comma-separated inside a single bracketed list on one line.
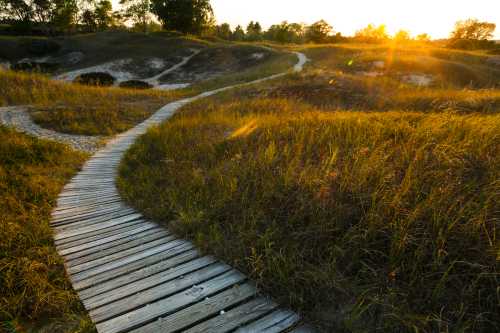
[(76, 277), (121, 286), (98, 234), (234, 318), (275, 322), (116, 256), (203, 310), (67, 222), (116, 246), (158, 292), (99, 225), (124, 236), (170, 305)]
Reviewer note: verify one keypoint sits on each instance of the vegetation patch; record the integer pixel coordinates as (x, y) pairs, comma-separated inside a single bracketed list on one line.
[(34, 286), (96, 79), (135, 84), (40, 67)]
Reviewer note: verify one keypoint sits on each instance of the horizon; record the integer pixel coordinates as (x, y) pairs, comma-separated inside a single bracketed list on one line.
[(425, 16)]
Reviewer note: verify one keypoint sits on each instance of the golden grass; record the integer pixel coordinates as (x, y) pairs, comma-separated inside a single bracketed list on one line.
[(363, 221), (81, 109), (35, 294)]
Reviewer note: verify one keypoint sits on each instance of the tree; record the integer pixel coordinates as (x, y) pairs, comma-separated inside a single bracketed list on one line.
[(224, 31), (137, 11), (187, 16), (254, 31), (286, 32), (424, 38), (402, 36), (372, 34), (88, 20), (65, 14), (473, 29), (239, 33), (318, 32), (104, 14), (17, 10)]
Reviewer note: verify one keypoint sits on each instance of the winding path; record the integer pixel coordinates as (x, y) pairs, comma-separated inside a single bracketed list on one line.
[(134, 275)]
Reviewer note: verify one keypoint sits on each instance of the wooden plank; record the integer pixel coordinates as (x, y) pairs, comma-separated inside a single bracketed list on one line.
[(116, 256), (124, 235), (82, 210), (109, 278), (76, 277), (234, 318), (155, 293), (60, 223), (96, 220), (86, 202), (116, 246), (170, 305), (81, 194), (104, 223), (98, 234), (63, 208), (203, 310), (133, 288), (123, 284), (275, 322)]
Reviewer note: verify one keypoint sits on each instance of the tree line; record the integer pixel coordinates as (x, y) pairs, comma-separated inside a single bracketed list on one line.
[(197, 17)]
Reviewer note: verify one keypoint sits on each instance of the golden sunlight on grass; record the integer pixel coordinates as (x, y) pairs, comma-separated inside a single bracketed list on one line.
[(245, 130)]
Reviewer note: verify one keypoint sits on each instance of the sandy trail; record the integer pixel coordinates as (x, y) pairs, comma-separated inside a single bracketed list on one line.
[(17, 117), (154, 81), (113, 68)]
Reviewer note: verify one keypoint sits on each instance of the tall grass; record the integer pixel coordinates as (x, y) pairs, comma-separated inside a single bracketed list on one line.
[(363, 221), (81, 109), (35, 294), (450, 68)]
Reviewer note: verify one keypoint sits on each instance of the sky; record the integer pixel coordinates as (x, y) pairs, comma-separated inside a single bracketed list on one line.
[(436, 17)]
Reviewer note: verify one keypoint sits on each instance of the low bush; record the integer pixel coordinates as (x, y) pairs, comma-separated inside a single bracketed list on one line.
[(96, 79), (135, 84), (40, 67)]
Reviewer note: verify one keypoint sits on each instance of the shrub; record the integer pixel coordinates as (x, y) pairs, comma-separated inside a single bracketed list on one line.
[(135, 84), (96, 79), (41, 67)]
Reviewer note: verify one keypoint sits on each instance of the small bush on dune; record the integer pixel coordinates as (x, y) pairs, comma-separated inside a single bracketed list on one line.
[(96, 79), (135, 84), (41, 67)]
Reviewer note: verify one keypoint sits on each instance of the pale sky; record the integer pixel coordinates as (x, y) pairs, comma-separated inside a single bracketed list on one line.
[(436, 17)]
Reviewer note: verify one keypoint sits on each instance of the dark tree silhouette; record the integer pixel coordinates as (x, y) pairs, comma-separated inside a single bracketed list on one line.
[(187, 16), (473, 29)]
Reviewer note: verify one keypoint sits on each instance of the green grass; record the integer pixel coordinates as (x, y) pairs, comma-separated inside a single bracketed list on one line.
[(364, 203), (35, 295)]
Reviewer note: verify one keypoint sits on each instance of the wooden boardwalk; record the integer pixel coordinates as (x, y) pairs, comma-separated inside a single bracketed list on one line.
[(133, 275)]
